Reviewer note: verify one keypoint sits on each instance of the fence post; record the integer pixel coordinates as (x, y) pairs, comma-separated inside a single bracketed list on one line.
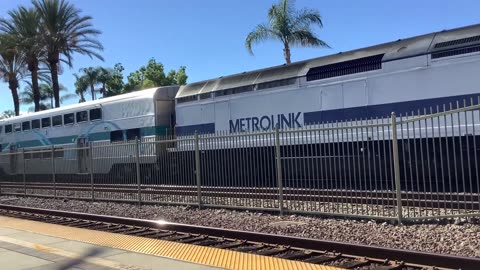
[(197, 171), (396, 167), (279, 170), (137, 165), (53, 173), (91, 170), (24, 174)]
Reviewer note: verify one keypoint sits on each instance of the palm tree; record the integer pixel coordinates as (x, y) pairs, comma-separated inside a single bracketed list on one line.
[(81, 86), (91, 74), (47, 90), (13, 67), (288, 25), (65, 32), (7, 114), (23, 25), (46, 95), (104, 76)]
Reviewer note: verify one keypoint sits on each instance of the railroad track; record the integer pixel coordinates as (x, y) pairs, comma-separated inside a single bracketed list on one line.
[(339, 254), (384, 198)]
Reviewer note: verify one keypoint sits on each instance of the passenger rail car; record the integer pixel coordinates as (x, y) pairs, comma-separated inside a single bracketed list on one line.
[(354, 88), (69, 131)]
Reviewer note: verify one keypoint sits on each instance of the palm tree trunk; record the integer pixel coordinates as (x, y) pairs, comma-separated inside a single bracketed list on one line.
[(104, 89), (13, 85), (56, 87), (286, 53), (33, 67), (92, 89), (51, 102)]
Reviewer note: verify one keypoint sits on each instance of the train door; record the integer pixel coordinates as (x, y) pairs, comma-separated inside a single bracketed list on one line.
[(13, 159), (82, 155)]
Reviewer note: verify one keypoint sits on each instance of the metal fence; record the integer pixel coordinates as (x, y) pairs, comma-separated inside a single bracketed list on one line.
[(420, 165)]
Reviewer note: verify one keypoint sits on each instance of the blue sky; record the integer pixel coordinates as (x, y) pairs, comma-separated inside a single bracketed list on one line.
[(208, 36)]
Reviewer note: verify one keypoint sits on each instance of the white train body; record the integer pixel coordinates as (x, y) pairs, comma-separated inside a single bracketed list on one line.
[(102, 123), (403, 77)]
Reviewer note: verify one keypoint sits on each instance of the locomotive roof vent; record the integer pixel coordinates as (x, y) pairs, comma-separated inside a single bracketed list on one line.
[(456, 42), (456, 47), (358, 65)]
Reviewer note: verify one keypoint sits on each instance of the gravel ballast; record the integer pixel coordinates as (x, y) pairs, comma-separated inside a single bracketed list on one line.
[(457, 238)]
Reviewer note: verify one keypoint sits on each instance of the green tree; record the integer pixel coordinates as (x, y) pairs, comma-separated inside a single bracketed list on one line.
[(23, 25), (47, 90), (81, 87), (181, 76), (115, 84), (91, 74), (13, 67), (104, 76), (292, 27), (178, 77), (153, 75), (7, 114), (65, 32), (46, 95)]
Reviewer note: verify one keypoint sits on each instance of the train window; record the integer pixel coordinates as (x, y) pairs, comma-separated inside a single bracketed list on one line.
[(46, 122), (58, 153), (8, 128), (205, 95), (82, 116), (116, 136), (1, 128), (95, 114), (28, 155), (26, 125), (186, 99), (36, 124), (68, 119), (133, 134), (57, 120), (235, 90), (277, 83), (17, 127), (47, 154), (36, 154)]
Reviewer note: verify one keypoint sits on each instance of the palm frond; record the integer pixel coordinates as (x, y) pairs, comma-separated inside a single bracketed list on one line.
[(66, 97), (305, 18), (261, 33), (306, 38)]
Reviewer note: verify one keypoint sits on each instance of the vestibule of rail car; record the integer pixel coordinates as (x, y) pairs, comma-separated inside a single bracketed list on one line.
[(13, 158), (82, 155)]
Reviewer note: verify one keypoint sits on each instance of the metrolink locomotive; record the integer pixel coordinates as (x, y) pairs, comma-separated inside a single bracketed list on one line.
[(403, 76)]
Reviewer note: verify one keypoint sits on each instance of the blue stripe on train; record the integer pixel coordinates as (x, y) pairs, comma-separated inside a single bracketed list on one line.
[(385, 110), (98, 136), (201, 129)]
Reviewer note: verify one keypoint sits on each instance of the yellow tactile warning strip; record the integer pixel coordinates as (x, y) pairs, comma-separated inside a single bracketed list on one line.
[(67, 254), (196, 254)]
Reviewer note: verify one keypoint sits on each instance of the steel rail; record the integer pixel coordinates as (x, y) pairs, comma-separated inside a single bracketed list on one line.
[(410, 258), (433, 200)]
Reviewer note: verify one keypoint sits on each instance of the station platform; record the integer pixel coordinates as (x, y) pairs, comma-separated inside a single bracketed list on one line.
[(32, 245)]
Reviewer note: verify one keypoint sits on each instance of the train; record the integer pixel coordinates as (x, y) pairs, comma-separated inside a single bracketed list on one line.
[(404, 76)]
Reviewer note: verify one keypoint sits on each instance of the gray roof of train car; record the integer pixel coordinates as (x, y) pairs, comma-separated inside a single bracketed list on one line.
[(166, 92), (401, 48)]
